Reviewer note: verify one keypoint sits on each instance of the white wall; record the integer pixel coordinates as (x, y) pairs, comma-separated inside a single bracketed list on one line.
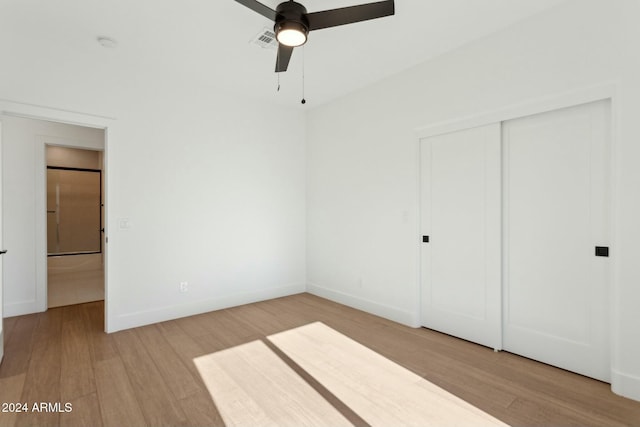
[(24, 169), (362, 169), (212, 187), (214, 191)]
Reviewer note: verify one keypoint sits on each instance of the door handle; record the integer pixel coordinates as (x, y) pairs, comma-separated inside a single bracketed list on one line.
[(2, 252)]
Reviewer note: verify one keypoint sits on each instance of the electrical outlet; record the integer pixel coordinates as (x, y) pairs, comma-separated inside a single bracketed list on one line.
[(184, 287)]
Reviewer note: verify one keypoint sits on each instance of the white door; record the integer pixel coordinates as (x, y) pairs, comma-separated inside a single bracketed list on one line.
[(460, 214), (556, 191), (2, 249)]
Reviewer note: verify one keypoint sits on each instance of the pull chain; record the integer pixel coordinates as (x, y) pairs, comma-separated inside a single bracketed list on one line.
[(304, 101), (277, 73)]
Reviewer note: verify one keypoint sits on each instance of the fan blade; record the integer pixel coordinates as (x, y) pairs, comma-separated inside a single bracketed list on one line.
[(349, 15), (260, 8), (284, 55)]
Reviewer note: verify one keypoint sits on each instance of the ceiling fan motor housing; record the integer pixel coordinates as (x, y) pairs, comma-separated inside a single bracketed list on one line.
[(291, 15)]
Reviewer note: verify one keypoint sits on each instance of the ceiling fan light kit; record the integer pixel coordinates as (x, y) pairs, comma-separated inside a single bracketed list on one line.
[(293, 23), (291, 34)]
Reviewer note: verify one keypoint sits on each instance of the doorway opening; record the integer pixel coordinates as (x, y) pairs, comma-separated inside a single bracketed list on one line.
[(27, 130), (75, 228)]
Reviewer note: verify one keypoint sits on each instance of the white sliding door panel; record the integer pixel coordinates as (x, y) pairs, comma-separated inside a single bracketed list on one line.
[(1, 248), (460, 212), (556, 185)]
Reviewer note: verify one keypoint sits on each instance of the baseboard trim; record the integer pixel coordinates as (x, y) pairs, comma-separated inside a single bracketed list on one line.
[(388, 312), (625, 385), (146, 317)]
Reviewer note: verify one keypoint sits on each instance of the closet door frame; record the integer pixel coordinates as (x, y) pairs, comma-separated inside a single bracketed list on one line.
[(528, 108)]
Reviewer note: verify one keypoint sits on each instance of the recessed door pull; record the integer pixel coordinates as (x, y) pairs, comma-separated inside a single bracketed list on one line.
[(602, 251)]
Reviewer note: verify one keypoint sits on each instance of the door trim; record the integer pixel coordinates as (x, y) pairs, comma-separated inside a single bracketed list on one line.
[(523, 109), (109, 125), (621, 383)]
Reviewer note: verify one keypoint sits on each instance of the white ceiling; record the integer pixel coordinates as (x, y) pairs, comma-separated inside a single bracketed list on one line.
[(207, 43)]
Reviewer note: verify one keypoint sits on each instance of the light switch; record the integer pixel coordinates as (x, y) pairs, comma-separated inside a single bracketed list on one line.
[(124, 223)]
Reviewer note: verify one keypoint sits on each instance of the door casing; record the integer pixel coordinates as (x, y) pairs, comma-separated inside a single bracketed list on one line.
[(109, 125), (607, 91)]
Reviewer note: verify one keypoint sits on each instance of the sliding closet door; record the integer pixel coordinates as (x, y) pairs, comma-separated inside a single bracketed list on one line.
[(460, 218), (556, 190), (1, 249)]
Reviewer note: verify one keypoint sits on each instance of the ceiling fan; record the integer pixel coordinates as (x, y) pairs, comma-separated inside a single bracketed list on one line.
[(293, 23)]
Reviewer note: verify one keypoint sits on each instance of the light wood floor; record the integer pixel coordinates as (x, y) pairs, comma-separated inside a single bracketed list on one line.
[(74, 279), (75, 288), (146, 376), (252, 386), (382, 392)]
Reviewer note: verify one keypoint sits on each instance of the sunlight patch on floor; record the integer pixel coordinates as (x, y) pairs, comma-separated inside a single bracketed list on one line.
[(252, 386), (380, 391)]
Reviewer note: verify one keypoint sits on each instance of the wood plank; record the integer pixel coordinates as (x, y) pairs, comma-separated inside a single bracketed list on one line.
[(156, 400), (532, 411), (194, 326), (11, 392), (185, 347), (380, 391), (291, 306), (85, 411), (49, 327), (42, 383), (118, 401), (541, 382), (474, 386), (101, 345), (211, 343), (17, 346), (568, 389), (262, 321), (71, 313), (8, 323), (286, 318), (228, 330), (234, 330), (340, 406), (200, 410), (420, 356), (175, 373), (77, 377), (250, 385)]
